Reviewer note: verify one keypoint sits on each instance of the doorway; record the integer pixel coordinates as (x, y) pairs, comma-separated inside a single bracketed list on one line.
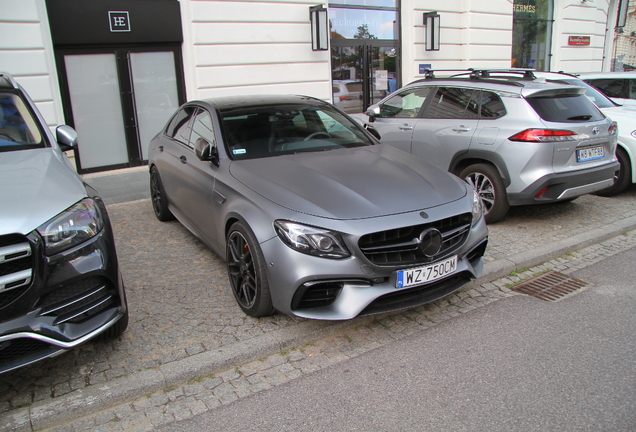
[(363, 72), (117, 99)]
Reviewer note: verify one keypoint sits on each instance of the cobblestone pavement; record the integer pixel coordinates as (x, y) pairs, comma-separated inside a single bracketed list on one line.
[(186, 327), (209, 392)]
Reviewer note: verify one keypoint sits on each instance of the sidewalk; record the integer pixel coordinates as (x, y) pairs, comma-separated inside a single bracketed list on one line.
[(118, 186), (185, 324)]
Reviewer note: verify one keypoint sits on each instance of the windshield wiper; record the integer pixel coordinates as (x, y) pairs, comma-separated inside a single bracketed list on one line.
[(581, 117)]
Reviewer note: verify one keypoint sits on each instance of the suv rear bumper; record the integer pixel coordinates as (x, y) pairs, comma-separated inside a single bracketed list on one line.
[(564, 186)]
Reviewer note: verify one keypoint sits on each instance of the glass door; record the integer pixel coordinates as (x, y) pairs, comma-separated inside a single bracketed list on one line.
[(155, 92), (97, 112), (118, 99), (363, 72)]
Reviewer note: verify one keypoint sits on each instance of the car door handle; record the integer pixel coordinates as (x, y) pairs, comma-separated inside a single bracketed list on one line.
[(406, 127), (183, 159), (461, 128)]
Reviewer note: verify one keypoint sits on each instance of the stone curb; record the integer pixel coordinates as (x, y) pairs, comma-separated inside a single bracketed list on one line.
[(50, 413)]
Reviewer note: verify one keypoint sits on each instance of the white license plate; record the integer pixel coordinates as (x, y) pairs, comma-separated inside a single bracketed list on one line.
[(589, 154), (429, 273)]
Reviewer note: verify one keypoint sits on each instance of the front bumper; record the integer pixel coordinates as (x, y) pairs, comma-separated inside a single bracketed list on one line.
[(565, 186), (329, 289), (72, 297)]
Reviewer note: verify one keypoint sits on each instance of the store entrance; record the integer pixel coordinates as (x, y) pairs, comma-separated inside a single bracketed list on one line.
[(118, 99), (363, 72), (120, 71)]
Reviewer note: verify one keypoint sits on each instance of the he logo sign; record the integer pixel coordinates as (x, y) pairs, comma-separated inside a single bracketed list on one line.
[(119, 21)]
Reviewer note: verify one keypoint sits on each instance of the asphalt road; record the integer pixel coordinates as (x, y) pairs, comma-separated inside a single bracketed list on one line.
[(519, 364)]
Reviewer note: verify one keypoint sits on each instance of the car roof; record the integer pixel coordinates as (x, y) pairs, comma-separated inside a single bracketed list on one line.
[(515, 80), (228, 103)]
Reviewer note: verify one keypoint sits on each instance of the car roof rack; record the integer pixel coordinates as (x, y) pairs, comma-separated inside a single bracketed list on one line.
[(487, 75)]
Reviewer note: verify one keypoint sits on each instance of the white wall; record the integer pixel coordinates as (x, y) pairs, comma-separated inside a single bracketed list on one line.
[(474, 33), (574, 18), (234, 47), (26, 52)]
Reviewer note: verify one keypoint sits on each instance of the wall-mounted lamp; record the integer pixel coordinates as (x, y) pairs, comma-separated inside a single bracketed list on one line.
[(431, 21), (319, 28)]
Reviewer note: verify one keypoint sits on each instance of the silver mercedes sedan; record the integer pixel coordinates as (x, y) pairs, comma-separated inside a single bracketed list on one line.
[(314, 216)]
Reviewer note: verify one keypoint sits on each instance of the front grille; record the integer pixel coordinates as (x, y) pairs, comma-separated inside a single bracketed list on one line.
[(16, 267), (79, 301), (18, 352), (401, 246)]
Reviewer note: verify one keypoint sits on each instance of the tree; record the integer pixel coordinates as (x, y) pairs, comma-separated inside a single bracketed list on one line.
[(363, 33)]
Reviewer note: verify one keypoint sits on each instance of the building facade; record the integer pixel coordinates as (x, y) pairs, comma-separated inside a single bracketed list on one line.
[(624, 54), (116, 69)]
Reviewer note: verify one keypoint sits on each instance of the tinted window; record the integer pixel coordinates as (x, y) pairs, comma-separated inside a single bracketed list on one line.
[(491, 105), (257, 132), (611, 87), (631, 88), (18, 129), (406, 104), (453, 103), (565, 108), (178, 127)]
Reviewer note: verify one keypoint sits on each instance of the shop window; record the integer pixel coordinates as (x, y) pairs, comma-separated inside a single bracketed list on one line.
[(531, 27)]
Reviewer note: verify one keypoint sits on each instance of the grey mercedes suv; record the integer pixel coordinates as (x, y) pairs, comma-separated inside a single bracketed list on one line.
[(516, 138), (60, 283)]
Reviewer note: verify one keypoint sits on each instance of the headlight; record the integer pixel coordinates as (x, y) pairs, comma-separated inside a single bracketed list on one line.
[(71, 227), (477, 209), (310, 240)]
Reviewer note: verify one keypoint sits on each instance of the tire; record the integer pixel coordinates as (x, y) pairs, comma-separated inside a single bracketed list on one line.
[(623, 178), (118, 328), (485, 179), (158, 197), (246, 271)]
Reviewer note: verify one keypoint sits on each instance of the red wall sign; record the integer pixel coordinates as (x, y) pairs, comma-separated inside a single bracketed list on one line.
[(578, 40)]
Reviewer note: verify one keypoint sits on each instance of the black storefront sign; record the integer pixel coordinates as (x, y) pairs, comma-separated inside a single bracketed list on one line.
[(114, 22)]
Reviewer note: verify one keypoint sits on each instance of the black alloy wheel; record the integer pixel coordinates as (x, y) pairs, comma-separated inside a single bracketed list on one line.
[(488, 184), (246, 271), (158, 196)]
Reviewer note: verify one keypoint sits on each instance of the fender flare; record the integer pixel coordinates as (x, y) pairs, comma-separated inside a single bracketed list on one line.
[(470, 157)]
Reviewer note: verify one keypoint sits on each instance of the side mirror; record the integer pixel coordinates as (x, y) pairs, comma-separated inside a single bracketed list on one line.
[(373, 131), (66, 137), (373, 111), (206, 151)]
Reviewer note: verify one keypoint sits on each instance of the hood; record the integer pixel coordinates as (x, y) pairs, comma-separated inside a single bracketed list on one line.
[(354, 183), (35, 185)]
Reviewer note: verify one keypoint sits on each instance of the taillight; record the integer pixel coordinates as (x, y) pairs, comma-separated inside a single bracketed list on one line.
[(613, 129), (544, 135)]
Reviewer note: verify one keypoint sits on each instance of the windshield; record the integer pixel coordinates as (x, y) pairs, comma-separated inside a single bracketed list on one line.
[(257, 132), (18, 129)]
